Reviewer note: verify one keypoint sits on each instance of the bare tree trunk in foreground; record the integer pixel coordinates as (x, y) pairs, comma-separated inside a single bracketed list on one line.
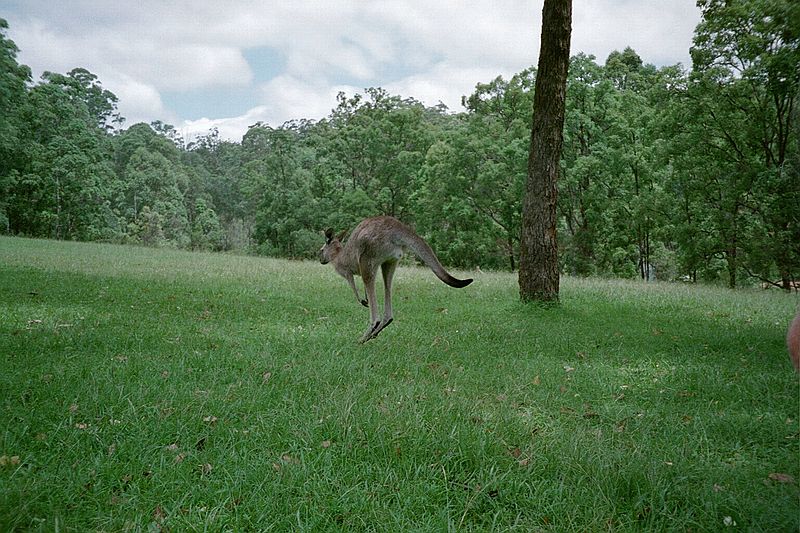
[(538, 267)]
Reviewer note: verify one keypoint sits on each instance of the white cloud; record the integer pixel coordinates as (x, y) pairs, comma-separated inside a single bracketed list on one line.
[(444, 83), (289, 97), (192, 66), (286, 98), (138, 102), (44, 48), (232, 128), (659, 31), (164, 65)]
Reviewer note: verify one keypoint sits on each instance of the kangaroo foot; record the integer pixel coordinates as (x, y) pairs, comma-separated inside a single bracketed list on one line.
[(381, 326), (374, 330), (370, 333)]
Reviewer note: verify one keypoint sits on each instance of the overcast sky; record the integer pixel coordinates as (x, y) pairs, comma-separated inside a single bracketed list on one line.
[(198, 64)]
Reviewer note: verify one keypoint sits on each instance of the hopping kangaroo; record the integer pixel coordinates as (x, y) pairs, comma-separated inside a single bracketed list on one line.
[(379, 242)]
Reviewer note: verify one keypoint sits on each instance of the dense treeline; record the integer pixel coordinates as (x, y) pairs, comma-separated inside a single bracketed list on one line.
[(665, 173)]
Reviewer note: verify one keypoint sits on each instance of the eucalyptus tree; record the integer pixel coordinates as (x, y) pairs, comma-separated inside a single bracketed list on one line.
[(277, 181), (584, 188), (611, 198), (13, 92), (638, 211), (152, 175), (740, 125), (206, 232), (156, 185), (83, 86), (469, 193), (64, 184), (380, 141)]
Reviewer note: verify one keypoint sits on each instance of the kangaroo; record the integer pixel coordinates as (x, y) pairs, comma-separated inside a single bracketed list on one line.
[(378, 242)]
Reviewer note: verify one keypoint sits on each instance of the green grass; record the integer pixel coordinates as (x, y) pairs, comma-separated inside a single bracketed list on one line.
[(147, 388)]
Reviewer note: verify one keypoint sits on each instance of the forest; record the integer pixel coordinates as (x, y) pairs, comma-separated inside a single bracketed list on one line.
[(666, 173)]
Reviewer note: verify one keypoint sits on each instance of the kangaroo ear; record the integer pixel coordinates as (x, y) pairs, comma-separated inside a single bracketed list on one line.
[(329, 234), (341, 236)]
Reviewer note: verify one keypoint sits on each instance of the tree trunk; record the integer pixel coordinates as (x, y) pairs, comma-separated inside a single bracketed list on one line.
[(731, 259), (511, 252), (538, 264)]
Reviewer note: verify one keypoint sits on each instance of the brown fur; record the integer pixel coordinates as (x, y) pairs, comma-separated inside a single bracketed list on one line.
[(793, 342), (379, 242)]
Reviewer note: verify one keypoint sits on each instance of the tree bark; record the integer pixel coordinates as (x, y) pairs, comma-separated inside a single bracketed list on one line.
[(538, 265)]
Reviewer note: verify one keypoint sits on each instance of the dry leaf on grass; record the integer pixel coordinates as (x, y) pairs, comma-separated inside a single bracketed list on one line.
[(781, 478), (6, 460), (288, 459)]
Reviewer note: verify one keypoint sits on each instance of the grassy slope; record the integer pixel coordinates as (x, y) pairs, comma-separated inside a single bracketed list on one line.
[(627, 407)]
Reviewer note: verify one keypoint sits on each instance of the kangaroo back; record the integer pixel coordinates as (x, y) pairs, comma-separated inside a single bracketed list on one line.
[(421, 249)]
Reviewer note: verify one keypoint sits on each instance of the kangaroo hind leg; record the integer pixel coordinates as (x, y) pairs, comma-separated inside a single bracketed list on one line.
[(387, 269), (368, 276)]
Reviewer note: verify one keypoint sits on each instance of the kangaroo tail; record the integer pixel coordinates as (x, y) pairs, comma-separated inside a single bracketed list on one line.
[(421, 249)]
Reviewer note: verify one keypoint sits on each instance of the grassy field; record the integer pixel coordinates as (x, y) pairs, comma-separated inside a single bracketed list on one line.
[(151, 389)]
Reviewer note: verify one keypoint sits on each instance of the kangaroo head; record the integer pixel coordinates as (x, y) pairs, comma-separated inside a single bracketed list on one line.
[(331, 248)]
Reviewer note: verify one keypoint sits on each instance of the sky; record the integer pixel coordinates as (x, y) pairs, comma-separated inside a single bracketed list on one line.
[(231, 63)]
